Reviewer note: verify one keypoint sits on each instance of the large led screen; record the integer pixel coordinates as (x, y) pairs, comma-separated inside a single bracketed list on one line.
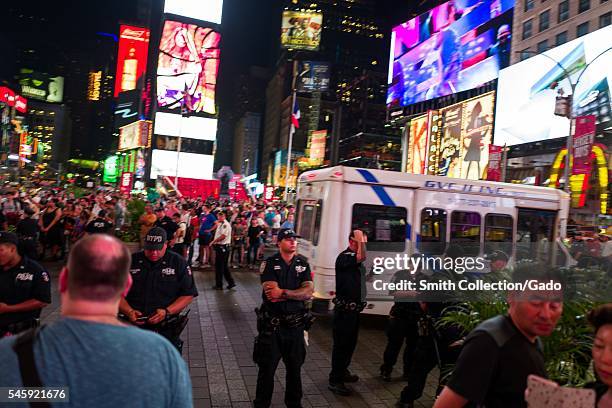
[(454, 47), (131, 58), (203, 10), (41, 86), (187, 67), (190, 165), (417, 145), (527, 91), (301, 31), (171, 124)]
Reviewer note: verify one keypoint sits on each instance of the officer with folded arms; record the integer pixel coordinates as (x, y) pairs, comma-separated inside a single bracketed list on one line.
[(162, 288), (25, 288), (282, 320), (349, 301)]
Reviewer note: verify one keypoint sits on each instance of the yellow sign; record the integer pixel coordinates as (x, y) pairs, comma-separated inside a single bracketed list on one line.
[(95, 83), (301, 31)]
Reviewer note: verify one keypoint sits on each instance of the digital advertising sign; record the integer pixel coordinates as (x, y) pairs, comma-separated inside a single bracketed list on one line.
[(190, 165), (172, 124), (41, 86), (456, 46), (417, 145), (313, 76), (128, 108), (137, 134), (301, 31), (203, 10), (527, 91), (187, 68), (131, 57)]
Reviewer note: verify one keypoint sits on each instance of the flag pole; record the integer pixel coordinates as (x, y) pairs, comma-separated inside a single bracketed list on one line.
[(291, 130)]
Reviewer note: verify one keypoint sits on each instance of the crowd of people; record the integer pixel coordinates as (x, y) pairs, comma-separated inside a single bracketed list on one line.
[(108, 295)]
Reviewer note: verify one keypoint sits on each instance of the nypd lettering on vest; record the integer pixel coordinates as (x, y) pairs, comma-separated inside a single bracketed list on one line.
[(135, 271), (24, 276), (168, 271)]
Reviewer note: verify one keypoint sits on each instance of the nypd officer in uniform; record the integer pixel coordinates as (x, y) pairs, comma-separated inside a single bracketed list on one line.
[(349, 301), (162, 288), (25, 288), (281, 320)]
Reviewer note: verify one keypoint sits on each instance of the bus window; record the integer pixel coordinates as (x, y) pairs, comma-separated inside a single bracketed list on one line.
[(433, 231), (384, 226), (498, 233), (534, 234), (465, 229), (309, 220)]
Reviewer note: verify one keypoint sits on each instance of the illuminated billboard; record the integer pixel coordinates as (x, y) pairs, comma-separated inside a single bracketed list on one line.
[(456, 46), (454, 141), (128, 108), (131, 58), (137, 134), (41, 86), (193, 127), (190, 165), (527, 93), (301, 31), (95, 84), (187, 67), (417, 145), (203, 10)]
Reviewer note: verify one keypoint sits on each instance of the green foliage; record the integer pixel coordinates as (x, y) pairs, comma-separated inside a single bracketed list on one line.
[(130, 232)]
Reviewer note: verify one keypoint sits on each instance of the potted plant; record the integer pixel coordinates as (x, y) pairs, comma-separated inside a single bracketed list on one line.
[(130, 231)]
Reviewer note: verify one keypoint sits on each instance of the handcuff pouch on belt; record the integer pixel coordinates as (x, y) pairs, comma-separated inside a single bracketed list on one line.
[(267, 322), (348, 306)]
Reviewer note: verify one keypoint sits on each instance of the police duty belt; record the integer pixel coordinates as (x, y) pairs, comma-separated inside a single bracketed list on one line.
[(269, 322), (347, 306)]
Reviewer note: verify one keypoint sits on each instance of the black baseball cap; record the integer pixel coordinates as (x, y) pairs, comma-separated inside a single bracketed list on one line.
[(155, 239), (8, 238), (287, 233), (497, 255)]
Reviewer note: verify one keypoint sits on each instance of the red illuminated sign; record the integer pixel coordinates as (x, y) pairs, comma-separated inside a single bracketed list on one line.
[(131, 57), (127, 179), (21, 104), (7, 96)]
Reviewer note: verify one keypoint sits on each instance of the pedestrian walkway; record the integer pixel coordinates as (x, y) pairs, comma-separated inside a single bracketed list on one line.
[(219, 344)]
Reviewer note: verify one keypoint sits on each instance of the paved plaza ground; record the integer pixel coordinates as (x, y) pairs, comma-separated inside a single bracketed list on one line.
[(219, 344)]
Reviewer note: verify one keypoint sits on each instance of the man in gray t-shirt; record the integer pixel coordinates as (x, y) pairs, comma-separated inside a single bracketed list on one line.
[(101, 361)]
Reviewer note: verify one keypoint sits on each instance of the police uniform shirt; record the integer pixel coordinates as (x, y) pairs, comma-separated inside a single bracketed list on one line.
[(168, 225), (350, 277), (27, 280), (224, 228), (292, 276), (156, 285), (500, 379), (98, 226)]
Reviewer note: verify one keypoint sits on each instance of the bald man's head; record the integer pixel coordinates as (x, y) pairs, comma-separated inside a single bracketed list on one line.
[(98, 268)]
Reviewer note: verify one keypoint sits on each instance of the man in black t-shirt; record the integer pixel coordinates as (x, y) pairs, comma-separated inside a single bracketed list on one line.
[(349, 301), (99, 225), (166, 223), (500, 353)]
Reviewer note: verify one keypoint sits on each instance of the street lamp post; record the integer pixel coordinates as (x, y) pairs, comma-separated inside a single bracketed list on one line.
[(570, 110)]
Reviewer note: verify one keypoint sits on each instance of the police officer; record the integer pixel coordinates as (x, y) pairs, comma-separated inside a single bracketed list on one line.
[(99, 225), (281, 321), (24, 288), (221, 244), (349, 301), (27, 231), (401, 328), (166, 224), (162, 288)]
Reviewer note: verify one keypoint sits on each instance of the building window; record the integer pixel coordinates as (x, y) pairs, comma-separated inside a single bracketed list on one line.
[(561, 38), (582, 29), (544, 20), (525, 54), (542, 46), (605, 20), (529, 4), (465, 231), (527, 29), (564, 11), (584, 5)]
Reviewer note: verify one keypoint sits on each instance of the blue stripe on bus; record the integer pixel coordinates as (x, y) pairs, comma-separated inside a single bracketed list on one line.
[(379, 190)]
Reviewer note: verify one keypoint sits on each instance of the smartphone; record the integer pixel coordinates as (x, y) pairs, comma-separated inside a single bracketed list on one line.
[(543, 393)]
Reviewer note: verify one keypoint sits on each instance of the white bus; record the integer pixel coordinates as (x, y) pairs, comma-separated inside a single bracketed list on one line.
[(408, 213)]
